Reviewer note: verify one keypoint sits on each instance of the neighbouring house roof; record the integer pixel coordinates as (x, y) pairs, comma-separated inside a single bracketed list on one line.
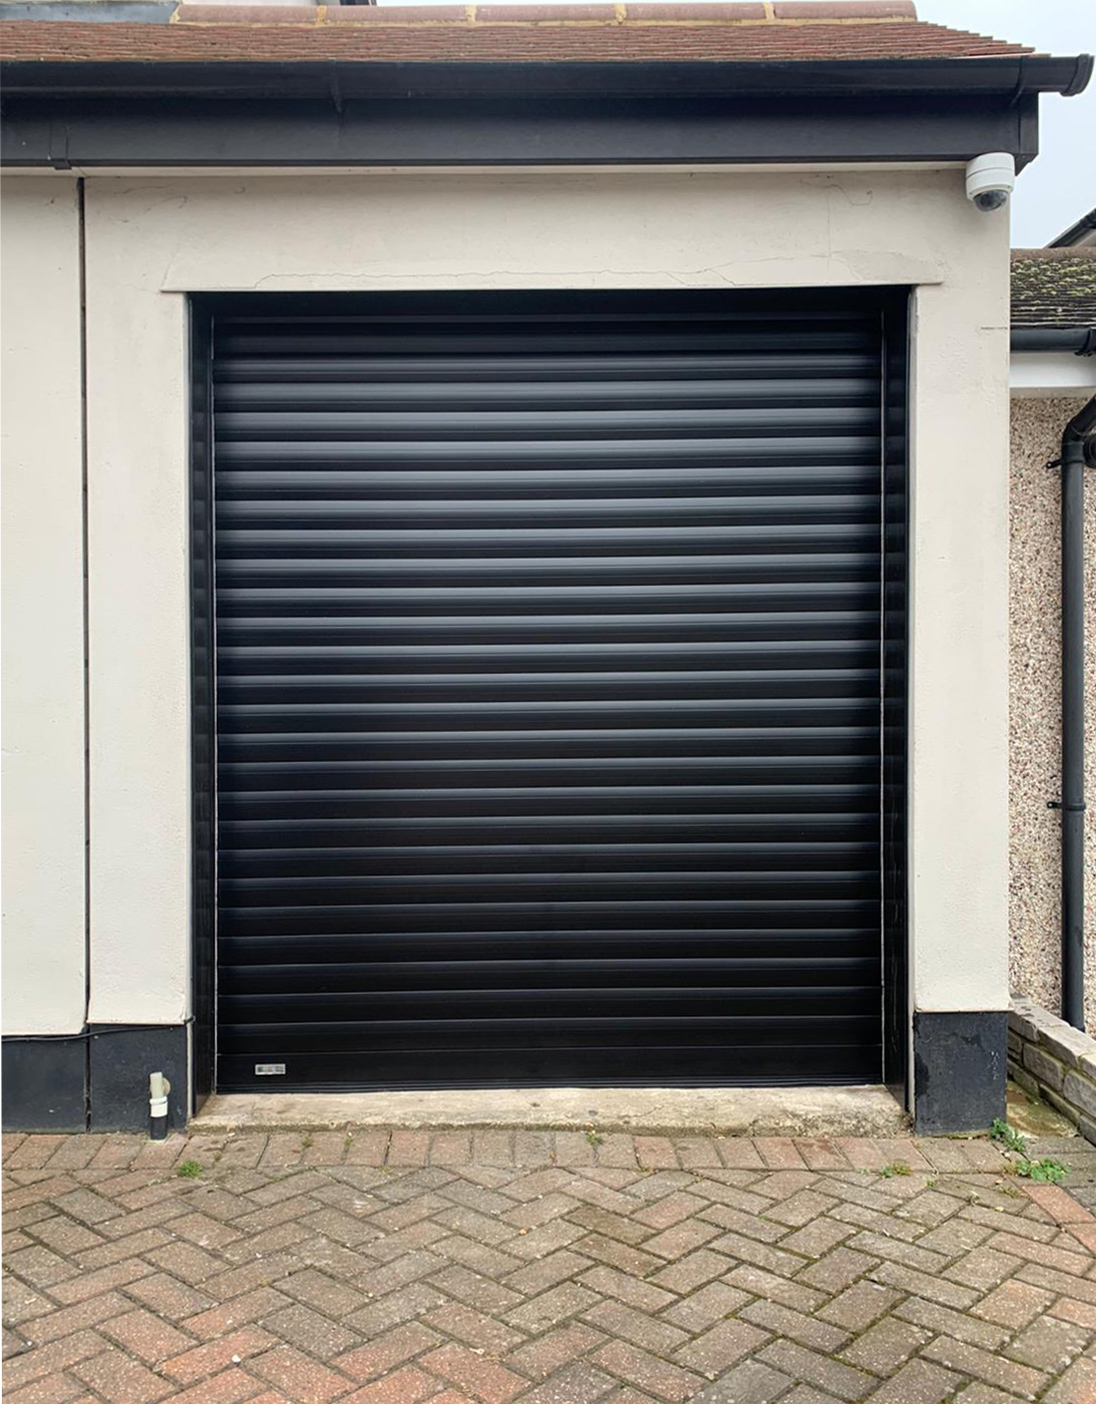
[(1054, 288), (724, 33)]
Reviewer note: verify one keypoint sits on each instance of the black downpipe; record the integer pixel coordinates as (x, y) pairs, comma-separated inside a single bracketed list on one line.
[(1078, 449)]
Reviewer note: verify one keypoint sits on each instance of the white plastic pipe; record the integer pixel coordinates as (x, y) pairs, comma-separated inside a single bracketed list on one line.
[(158, 1089)]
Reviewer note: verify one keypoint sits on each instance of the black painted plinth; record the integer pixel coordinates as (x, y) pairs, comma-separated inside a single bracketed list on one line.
[(95, 1080), (959, 1070)]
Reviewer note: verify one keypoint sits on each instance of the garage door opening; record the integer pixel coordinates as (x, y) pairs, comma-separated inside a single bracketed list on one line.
[(549, 689)]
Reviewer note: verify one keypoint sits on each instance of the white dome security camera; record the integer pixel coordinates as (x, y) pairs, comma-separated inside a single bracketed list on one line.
[(991, 180)]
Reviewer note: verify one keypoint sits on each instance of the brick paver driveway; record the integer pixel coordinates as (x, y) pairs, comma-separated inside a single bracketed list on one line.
[(540, 1268)]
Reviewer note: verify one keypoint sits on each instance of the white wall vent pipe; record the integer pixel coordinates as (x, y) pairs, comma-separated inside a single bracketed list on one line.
[(158, 1088)]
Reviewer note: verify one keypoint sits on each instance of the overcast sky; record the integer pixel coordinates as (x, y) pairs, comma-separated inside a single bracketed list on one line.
[(1061, 185)]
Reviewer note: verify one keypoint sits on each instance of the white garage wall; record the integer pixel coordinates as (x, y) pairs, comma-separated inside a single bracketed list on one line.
[(149, 241), (959, 826), (138, 611), (43, 609)]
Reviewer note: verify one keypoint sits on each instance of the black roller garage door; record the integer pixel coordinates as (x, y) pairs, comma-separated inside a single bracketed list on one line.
[(548, 681)]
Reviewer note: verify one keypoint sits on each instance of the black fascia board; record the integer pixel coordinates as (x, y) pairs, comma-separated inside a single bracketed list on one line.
[(178, 132), (59, 115)]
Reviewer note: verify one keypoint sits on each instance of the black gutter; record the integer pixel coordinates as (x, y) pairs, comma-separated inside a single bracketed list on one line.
[(1078, 341), (1078, 451), (969, 78), (1071, 237)]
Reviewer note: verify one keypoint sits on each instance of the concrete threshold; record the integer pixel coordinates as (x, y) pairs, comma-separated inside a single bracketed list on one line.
[(728, 1111)]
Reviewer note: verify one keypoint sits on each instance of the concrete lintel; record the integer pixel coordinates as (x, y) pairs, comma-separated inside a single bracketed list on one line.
[(743, 1111)]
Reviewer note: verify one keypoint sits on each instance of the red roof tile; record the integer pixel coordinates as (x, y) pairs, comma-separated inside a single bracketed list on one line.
[(726, 33)]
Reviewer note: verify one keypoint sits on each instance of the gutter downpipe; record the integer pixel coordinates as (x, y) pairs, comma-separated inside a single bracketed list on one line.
[(1078, 451)]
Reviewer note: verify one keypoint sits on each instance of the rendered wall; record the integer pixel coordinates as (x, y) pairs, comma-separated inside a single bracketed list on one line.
[(1035, 746), (43, 610), (958, 784), (151, 240)]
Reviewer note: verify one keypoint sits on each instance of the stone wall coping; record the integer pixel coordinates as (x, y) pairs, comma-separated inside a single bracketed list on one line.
[(1051, 1059), (1063, 1040)]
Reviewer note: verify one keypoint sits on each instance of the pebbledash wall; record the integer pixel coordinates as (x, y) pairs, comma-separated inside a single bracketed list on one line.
[(146, 242), (1035, 750)]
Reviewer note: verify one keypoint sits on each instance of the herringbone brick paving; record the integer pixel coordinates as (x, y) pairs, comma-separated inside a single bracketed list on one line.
[(457, 1267)]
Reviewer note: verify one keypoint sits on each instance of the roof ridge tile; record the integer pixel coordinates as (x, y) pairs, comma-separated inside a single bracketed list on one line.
[(731, 12)]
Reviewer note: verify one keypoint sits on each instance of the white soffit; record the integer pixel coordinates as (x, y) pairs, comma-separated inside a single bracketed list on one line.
[(1046, 374)]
